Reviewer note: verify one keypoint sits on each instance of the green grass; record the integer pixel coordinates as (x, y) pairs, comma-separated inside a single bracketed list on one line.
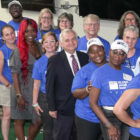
[(12, 133)]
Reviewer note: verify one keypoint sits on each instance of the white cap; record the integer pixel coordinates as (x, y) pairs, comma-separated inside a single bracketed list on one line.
[(14, 2), (94, 41), (120, 44)]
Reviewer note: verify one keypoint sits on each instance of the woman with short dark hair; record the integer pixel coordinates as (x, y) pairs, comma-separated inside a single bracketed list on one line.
[(87, 123), (108, 83)]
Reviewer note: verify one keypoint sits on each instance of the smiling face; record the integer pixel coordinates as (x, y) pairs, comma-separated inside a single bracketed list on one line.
[(116, 58), (8, 35), (30, 33), (97, 54), (69, 42), (49, 44), (130, 20), (46, 21), (64, 24), (15, 11), (91, 27), (130, 37)]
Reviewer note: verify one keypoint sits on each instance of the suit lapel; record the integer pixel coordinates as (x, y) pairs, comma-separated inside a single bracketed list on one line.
[(80, 58), (66, 63)]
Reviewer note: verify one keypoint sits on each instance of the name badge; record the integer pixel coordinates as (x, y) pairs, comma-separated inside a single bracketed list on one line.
[(8, 62), (127, 77), (113, 85)]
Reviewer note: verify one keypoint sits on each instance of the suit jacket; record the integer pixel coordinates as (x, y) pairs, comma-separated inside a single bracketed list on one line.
[(59, 82)]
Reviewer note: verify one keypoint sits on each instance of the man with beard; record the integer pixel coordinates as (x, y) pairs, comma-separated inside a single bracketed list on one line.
[(15, 9)]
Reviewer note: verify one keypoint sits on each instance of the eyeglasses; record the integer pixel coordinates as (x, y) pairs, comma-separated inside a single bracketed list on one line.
[(120, 53), (64, 21), (91, 24), (46, 18), (49, 41)]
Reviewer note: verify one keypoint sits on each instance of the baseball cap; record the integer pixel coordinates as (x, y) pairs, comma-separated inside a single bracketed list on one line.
[(14, 2), (120, 44), (94, 41)]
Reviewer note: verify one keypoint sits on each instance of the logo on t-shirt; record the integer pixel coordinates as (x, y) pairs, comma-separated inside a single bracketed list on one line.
[(127, 77)]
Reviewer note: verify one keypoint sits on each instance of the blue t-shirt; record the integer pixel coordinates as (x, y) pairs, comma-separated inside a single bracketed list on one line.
[(82, 45), (81, 79), (57, 33), (6, 72), (137, 45), (39, 72), (40, 33), (2, 23), (135, 106), (15, 25), (111, 83), (131, 62)]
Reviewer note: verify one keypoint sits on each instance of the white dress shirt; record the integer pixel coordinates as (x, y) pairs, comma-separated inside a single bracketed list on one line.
[(70, 60)]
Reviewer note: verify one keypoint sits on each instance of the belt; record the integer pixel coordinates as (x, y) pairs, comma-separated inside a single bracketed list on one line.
[(108, 107)]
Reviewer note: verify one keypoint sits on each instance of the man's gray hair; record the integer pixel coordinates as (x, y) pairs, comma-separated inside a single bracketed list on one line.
[(131, 28), (65, 31)]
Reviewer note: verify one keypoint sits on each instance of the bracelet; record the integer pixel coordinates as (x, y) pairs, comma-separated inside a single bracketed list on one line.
[(87, 89), (35, 105), (18, 95)]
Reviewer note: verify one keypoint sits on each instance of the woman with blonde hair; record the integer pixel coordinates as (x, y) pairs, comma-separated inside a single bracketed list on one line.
[(49, 43), (129, 18), (45, 23)]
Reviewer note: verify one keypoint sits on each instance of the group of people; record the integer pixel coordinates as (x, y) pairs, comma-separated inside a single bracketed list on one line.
[(76, 88)]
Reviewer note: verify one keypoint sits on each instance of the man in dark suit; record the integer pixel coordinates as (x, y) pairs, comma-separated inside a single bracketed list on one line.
[(60, 75)]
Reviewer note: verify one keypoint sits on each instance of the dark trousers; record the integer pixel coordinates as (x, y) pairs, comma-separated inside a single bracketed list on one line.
[(47, 121), (87, 130), (64, 128), (132, 137), (116, 122)]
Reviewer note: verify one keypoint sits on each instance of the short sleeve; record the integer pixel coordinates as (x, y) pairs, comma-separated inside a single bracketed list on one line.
[(96, 79), (134, 84), (79, 81), (36, 75)]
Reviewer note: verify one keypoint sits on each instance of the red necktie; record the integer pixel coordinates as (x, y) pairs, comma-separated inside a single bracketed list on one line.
[(74, 64)]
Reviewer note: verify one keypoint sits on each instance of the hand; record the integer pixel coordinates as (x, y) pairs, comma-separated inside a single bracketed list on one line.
[(88, 87), (21, 103), (137, 123), (53, 114), (113, 133), (38, 110)]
